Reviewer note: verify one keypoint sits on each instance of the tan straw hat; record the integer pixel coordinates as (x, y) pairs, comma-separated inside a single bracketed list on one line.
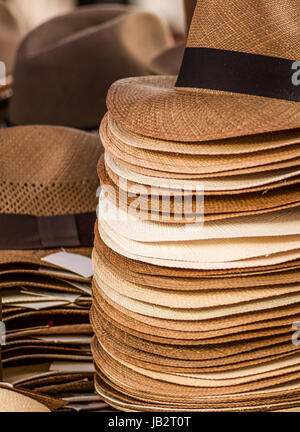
[(48, 191), (242, 84)]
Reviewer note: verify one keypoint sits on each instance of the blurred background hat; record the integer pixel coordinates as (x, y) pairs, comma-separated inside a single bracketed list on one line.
[(34, 12), (11, 30)]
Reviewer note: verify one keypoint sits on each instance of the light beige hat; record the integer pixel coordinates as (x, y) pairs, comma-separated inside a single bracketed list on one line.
[(48, 192), (12, 400)]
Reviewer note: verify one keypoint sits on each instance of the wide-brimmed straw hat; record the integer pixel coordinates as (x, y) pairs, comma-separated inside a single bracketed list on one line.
[(11, 31), (242, 84), (15, 400), (76, 57), (48, 191)]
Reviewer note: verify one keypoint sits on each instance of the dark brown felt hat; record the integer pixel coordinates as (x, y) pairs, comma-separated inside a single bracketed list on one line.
[(242, 84), (65, 66)]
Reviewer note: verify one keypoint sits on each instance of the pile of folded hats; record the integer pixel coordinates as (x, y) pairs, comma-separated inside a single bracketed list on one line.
[(48, 185), (196, 307)]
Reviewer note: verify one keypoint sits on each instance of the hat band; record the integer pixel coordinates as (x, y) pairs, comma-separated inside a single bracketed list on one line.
[(239, 72), (24, 232)]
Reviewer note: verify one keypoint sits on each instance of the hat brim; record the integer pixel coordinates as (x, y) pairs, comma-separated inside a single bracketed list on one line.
[(152, 107)]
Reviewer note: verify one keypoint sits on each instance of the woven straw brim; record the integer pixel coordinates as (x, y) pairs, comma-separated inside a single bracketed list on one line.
[(246, 144), (199, 283), (194, 164), (143, 268), (187, 300), (120, 401), (167, 313), (139, 183), (172, 387), (187, 335), (214, 207), (151, 106), (102, 310), (192, 332), (164, 361)]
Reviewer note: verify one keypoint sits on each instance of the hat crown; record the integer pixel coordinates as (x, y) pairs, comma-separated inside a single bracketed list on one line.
[(241, 47), (265, 27)]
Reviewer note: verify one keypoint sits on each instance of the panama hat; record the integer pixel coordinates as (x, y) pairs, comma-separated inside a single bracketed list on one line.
[(82, 53), (216, 87), (48, 192)]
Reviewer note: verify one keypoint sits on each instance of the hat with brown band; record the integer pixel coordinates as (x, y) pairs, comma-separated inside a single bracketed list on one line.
[(250, 79), (48, 191), (82, 53)]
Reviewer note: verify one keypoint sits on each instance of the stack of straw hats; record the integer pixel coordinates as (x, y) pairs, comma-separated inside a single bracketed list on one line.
[(48, 185), (196, 306)]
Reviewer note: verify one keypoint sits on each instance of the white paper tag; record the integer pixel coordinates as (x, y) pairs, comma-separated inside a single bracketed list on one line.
[(75, 263), (41, 305)]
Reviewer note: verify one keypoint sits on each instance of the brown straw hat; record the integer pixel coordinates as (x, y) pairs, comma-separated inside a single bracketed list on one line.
[(76, 57), (48, 191), (10, 35), (241, 84)]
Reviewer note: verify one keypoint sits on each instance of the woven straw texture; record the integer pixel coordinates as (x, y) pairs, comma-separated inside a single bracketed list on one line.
[(151, 106), (274, 29)]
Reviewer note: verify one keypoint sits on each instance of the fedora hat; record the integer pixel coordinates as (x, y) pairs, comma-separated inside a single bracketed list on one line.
[(247, 79), (76, 57), (48, 191)]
